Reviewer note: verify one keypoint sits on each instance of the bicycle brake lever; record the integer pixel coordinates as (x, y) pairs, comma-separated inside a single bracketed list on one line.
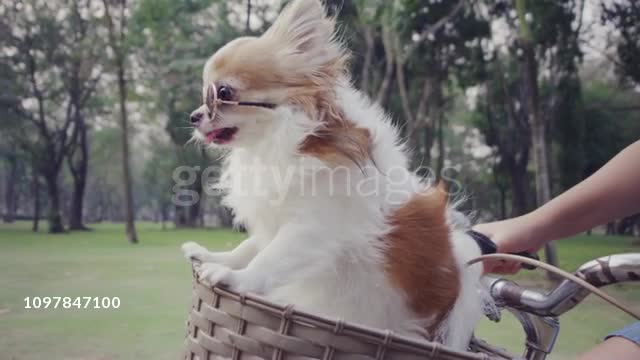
[(487, 246)]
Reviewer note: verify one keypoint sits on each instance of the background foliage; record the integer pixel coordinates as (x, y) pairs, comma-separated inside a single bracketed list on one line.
[(473, 86)]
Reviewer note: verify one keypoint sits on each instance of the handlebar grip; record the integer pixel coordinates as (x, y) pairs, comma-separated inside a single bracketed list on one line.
[(487, 246)]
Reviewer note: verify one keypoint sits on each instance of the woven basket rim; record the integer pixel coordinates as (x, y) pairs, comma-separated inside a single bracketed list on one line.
[(385, 338)]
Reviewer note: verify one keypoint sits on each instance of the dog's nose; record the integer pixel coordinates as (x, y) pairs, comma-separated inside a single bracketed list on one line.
[(195, 118)]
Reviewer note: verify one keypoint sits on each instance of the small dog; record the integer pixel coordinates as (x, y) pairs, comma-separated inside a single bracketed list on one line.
[(338, 224)]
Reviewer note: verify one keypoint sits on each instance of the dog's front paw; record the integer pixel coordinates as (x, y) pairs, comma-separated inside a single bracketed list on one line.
[(242, 281), (213, 274), (193, 251)]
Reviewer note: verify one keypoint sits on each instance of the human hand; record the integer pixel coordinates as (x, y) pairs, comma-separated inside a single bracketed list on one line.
[(511, 236)]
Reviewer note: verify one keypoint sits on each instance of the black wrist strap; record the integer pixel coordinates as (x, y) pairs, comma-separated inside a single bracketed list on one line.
[(487, 246)]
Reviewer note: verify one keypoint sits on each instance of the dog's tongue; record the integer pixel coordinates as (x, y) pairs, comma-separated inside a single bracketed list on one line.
[(211, 137), (222, 135)]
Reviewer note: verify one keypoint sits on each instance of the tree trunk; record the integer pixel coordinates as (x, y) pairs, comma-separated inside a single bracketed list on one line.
[(538, 142), (420, 126), (503, 203), (369, 41), (126, 173), (438, 119), (117, 45), (188, 216), (225, 215), (181, 216), (247, 27), (77, 199), (519, 188), (389, 54), (163, 216), (79, 171), (10, 190), (54, 217), (529, 70), (502, 191), (626, 226), (36, 202)]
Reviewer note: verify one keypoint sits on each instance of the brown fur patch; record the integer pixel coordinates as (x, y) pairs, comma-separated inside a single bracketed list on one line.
[(442, 187), (255, 63), (250, 61), (419, 256), (339, 143)]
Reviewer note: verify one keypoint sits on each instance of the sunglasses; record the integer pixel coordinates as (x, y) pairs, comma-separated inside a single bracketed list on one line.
[(215, 97)]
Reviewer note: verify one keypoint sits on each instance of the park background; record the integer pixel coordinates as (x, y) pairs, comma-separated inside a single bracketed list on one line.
[(517, 100)]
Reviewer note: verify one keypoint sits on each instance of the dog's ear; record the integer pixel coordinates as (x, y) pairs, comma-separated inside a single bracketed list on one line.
[(305, 32)]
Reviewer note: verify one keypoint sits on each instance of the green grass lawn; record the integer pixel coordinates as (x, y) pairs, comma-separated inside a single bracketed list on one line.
[(153, 283)]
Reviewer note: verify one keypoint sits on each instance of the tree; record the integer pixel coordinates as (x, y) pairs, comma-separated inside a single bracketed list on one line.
[(173, 40), (84, 73), (409, 50), (41, 53), (625, 16), (569, 133), (104, 201), (118, 45), (503, 122), (371, 22), (158, 180), (433, 41), (529, 69), (10, 150), (543, 34), (10, 193), (609, 128), (247, 26), (78, 164), (35, 188)]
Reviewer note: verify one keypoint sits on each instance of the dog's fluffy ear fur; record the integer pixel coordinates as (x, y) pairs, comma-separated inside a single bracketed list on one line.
[(306, 37)]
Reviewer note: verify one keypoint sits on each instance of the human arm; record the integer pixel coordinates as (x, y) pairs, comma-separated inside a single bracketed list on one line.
[(611, 192), (617, 348)]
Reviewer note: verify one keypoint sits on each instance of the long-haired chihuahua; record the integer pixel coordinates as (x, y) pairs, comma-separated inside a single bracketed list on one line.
[(338, 224)]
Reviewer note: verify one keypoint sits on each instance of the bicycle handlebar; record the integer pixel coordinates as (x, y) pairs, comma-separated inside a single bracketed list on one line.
[(601, 272)]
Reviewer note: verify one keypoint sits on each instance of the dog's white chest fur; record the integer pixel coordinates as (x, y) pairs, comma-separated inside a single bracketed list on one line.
[(331, 240)]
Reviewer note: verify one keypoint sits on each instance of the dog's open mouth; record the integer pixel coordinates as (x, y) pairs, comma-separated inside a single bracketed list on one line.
[(222, 135)]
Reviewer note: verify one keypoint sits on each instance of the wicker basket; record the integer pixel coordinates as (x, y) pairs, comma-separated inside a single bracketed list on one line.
[(226, 325)]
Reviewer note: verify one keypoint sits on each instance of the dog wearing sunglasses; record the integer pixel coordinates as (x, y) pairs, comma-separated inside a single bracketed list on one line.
[(338, 225)]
